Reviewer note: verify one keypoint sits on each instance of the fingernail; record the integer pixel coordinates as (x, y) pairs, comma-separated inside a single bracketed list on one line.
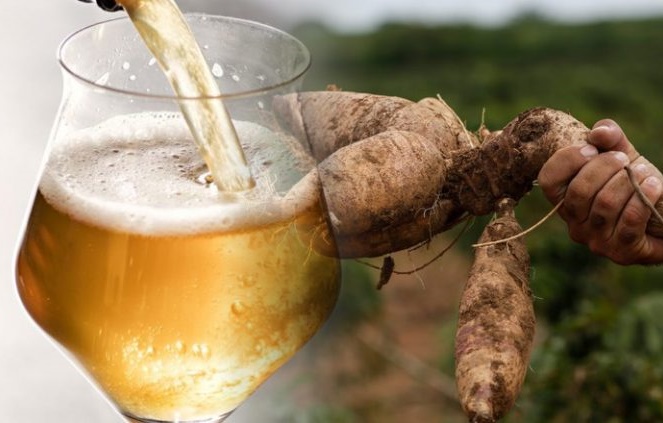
[(641, 169), (601, 128), (589, 151), (652, 181), (622, 157)]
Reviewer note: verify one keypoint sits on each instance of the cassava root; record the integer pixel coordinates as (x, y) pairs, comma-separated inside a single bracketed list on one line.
[(395, 172), (496, 323)]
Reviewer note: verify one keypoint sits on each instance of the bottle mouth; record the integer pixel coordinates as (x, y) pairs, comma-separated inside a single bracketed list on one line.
[(107, 5), (90, 54)]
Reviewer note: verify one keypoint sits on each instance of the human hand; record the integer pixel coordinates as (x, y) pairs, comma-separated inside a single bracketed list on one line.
[(600, 205)]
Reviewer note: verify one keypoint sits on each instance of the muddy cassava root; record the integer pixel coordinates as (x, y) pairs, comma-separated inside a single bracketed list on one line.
[(393, 173), (397, 172), (495, 323)]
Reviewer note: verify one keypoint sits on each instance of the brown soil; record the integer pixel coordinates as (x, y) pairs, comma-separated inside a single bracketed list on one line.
[(397, 366)]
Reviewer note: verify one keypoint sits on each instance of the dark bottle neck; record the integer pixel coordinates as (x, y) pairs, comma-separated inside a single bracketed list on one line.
[(108, 5)]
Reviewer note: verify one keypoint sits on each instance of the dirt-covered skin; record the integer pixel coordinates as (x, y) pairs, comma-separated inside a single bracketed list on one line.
[(331, 120), (496, 323), (396, 172)]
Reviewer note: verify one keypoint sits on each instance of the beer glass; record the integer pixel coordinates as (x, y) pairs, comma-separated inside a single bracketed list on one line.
[(176, 300)]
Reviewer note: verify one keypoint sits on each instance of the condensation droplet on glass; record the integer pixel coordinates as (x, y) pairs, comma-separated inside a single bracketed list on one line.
[(103, 80), (179, 347), (261, 77), (205, 179), (152, 62), (237, 308), (217, 70), (206, 47), (126, 65), (132, 77), (236, 78), (261, 105), (201, 350), (248, 281)]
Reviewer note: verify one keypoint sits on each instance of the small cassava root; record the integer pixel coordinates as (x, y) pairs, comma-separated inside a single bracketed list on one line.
[(496, 322), (395, 172)]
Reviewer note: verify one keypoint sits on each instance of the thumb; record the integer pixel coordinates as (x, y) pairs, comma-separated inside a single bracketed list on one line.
[(607, 135)]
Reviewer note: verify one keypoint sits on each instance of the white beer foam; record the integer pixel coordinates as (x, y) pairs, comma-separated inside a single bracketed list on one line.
[(138, 173)]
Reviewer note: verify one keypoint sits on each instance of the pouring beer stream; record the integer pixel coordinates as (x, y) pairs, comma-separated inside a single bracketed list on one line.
[(167, 35)]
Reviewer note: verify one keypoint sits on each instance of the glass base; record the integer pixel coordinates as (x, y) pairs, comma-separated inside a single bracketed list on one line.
[(134, 419)]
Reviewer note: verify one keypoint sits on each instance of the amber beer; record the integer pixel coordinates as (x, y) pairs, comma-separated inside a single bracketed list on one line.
[(177, 304)]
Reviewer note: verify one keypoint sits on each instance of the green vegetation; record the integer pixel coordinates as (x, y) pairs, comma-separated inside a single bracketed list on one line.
[(601, 358), (592, 71)]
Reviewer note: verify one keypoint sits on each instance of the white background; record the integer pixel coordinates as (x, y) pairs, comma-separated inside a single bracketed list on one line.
[(36, 382)]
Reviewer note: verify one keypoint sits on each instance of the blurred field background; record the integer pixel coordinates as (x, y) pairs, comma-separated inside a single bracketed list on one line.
[(599, 353), (387, 356)]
